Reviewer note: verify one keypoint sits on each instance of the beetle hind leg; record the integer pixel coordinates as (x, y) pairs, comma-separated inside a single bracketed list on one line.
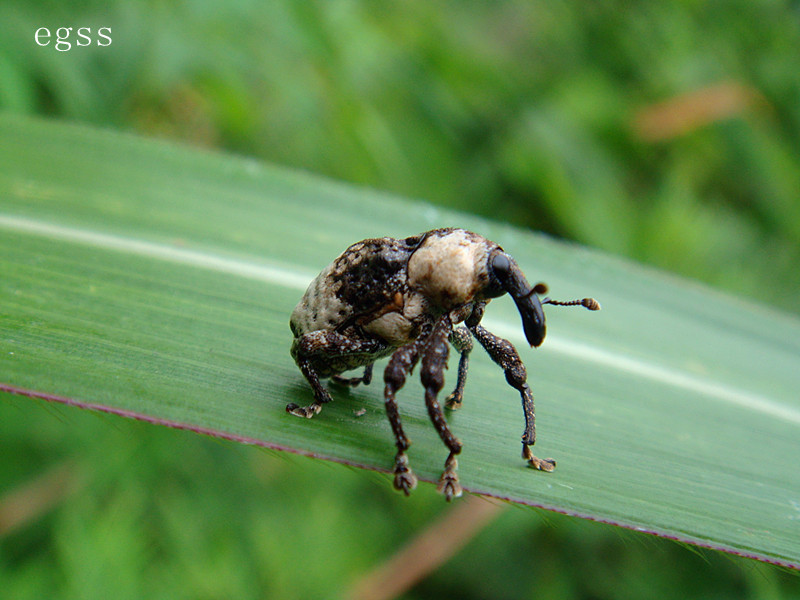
[(366, 378), (321, 395), (334, 352)]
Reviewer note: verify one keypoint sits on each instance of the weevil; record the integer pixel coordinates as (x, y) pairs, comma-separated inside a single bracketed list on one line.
[(403, 298)]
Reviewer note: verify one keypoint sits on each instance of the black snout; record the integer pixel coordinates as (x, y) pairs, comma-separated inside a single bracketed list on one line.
[(530, 309)]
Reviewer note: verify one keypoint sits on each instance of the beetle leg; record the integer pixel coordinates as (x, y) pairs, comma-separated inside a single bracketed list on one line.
[(321, 395), (400, 364), (504, 354), (354, 381), (330, 345), (434, 362), (448, 482), (461, 339)]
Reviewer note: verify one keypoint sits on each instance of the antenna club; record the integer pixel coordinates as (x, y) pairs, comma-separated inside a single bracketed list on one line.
[(589, 303)]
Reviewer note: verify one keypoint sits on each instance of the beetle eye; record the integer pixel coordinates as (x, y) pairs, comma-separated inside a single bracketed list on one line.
[(501, 267)]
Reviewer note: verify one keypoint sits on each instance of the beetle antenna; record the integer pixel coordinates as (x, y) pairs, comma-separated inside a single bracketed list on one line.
[(589, 303)]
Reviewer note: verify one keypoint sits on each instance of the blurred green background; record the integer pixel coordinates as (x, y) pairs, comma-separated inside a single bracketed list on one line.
[(668, 132)]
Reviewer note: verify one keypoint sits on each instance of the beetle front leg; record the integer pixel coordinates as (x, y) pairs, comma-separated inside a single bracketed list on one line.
[(504, 354), (461, 339), (434, 362), (400, 364)]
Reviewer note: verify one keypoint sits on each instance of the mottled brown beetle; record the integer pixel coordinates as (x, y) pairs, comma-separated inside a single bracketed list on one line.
[(402, 298)]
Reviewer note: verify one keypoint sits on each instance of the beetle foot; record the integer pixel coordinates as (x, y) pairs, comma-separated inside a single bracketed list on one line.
[(404, 478), (304, 411), (448, 482), (453, 401), (540, 464)]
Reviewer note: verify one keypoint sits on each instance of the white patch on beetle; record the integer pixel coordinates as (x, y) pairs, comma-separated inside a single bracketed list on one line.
[(392, 327), (449, 269), (415, 305)]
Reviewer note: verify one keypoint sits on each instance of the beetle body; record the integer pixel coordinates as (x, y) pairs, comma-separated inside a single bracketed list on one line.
[(402, 297), (385, 289)]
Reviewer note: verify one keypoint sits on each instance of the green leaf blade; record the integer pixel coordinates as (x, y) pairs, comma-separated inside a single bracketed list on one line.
[(155, 281)]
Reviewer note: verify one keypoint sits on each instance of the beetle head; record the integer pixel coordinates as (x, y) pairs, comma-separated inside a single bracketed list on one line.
[(511, 279)]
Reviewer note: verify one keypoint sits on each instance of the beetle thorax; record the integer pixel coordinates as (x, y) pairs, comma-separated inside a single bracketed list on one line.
[(449, 269)]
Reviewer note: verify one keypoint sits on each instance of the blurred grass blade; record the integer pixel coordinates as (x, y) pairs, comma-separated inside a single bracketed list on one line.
[(35, 498), (156, 282)]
